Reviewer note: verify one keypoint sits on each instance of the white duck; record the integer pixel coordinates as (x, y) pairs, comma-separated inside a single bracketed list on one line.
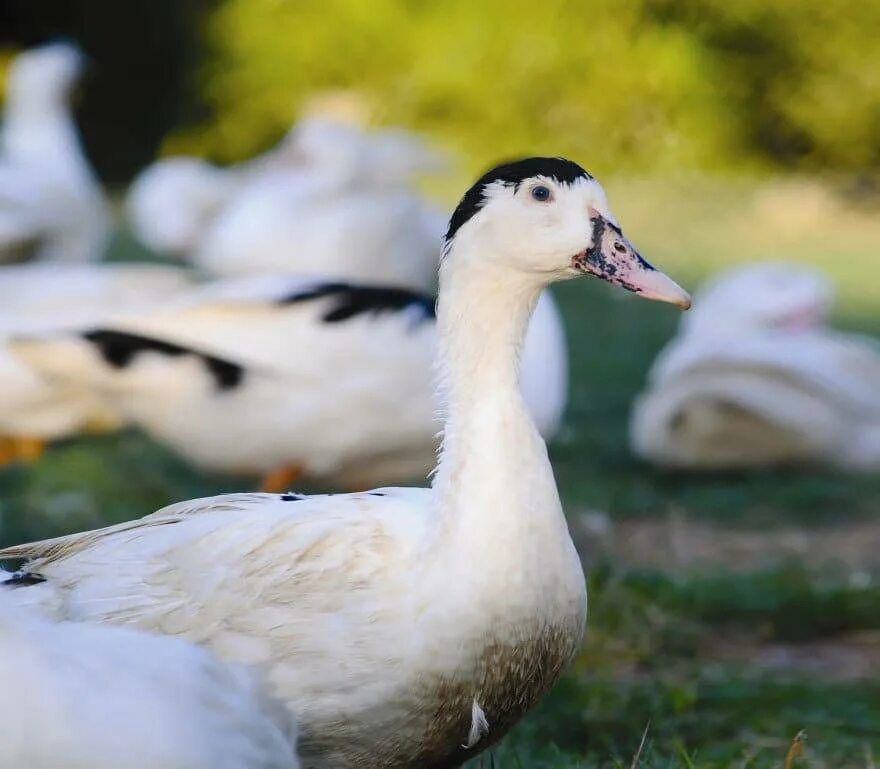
[(755, 378), (341, 206), (79, 696), (284, 377), (330, 200), (51, 205), (171, 203), (403, 627), (38, 298), (334, 190)]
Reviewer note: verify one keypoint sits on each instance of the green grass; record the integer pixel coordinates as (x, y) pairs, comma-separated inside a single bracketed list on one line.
[(681, 647)]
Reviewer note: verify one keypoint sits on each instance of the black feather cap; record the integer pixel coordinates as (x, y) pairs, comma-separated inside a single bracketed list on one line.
[(513, 173)]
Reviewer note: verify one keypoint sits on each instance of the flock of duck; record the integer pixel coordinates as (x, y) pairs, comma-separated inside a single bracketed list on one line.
[(313, 341), (389, 627)]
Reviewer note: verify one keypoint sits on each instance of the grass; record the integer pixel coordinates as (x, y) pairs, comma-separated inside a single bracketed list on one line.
[(724, 661)]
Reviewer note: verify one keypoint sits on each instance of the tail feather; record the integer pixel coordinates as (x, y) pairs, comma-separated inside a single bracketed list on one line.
[(61, 356)]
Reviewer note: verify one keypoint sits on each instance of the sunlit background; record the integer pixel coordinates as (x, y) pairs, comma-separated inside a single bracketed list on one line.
[(729, 609)]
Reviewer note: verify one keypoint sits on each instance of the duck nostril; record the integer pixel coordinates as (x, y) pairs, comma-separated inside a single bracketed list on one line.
[(619, 247)]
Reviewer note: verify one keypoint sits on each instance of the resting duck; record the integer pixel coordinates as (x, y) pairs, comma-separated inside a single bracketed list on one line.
[(51, 205), (755, 378), (286, 377), (39, 298), (404, 627), (343, 209), (171, 203), (79, 695), (330, 200)]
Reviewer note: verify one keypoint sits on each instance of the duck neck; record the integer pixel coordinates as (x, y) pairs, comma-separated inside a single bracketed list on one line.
[(42, 132), (494, 482)]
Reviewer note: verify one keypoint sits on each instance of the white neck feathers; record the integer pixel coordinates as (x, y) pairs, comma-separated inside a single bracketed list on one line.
[(494, 483)]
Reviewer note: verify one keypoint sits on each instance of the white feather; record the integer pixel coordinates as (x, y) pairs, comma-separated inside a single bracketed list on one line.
[(348, 402), (77, 696), (50, 201), (756, 378), (39, 298)]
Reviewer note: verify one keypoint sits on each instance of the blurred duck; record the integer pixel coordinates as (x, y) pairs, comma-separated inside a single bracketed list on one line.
[(333, 203), (755, 378), (51, 206), (287, 377), (331, 200), (403, 627), (78, 695), (37, 298), (172, 202), (347, 211)]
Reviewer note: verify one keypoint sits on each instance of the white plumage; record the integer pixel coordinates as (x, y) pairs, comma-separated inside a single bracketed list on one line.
[(401, 624), (332, 203), (331, 379), (330, 200), (171, 203), (756, 378), (51, 206), (80, 696), (39, 298), (342, 208)]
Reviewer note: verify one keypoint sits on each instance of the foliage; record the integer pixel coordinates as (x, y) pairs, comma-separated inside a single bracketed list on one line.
[(803, 75), (494, 78), (631, 84)]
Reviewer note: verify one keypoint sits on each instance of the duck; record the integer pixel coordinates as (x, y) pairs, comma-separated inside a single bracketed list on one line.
[(323, 381), (39, 297), (87, 695), (330, 199), (170, 204), (756, 378), (51, 204), (402, 627), (337, 202)]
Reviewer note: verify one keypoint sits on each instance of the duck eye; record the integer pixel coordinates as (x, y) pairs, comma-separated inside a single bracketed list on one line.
[(541, 193)]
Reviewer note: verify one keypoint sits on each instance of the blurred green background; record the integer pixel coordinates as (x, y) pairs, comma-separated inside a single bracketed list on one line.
[(631, 85), (727, 611)]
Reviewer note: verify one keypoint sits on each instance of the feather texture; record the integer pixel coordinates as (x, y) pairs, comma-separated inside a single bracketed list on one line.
[(78, 695)]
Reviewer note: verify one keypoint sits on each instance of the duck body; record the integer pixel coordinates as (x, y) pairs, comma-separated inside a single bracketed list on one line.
[(83, 696), (763, 382), (380, 699), (403, 628), (235, 377), (287, 222), (40, 298), (764, 400), (331, 201), (171, 203), (51, 205)]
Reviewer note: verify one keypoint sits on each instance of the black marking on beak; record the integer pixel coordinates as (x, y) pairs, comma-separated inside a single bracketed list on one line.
[(604, 256), (612, 258)]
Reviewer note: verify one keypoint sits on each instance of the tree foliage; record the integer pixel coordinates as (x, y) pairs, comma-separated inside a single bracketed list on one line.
[(631, 84)]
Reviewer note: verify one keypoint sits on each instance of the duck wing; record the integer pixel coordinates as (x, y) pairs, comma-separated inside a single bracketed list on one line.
[(230, 569)]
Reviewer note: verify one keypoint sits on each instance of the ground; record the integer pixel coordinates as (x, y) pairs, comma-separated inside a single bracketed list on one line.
[(727, 612)]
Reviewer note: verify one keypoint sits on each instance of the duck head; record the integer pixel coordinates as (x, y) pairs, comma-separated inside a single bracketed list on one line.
[(47, 74), (548, 218)]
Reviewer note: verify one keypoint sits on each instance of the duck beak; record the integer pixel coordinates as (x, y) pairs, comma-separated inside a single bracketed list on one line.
[(614, 259)]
